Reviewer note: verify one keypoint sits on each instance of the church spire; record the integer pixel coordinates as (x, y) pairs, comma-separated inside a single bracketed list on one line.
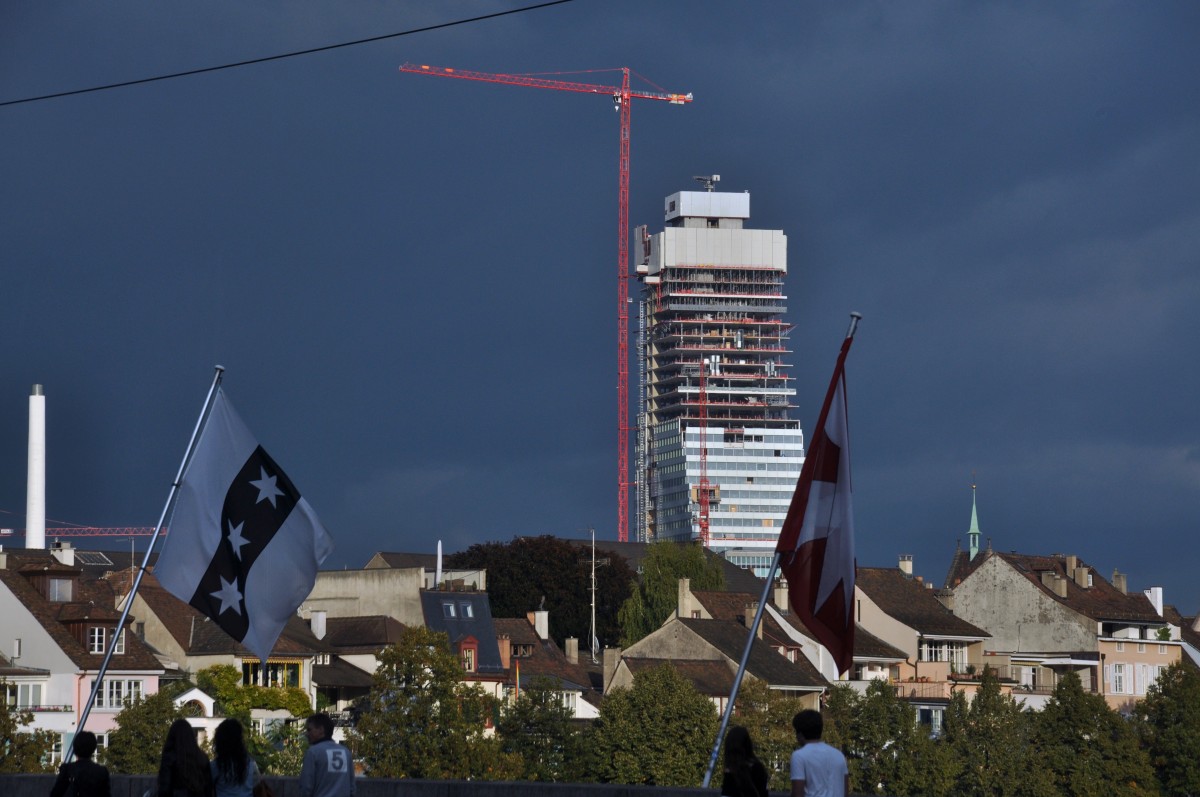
[(973, 532)]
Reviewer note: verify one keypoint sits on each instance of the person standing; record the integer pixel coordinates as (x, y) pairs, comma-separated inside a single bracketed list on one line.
[(328, 770), (745, 775), (89, 778), (818, 770), (234, 772), (183, 769)]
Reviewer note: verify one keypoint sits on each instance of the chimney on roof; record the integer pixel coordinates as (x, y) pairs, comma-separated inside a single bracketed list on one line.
[(779, 596), (504, 642), (612, 657), (1052, 581), (906, 564), (1081, 576), (540, 620), (316, 622), (683, 598), (1072, 563), (1155, 595), (571, 648), (63, 552), (1118, 581), (748, 614)]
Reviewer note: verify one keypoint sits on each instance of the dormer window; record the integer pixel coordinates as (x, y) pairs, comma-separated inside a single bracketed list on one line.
[(448, 610), (96, 640), (60, 590), (468, 652), (119, 648)]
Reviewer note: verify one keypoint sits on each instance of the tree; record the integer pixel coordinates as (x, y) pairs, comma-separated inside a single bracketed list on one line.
[(885, 747), (223, 683), (538, 727), (421, 721), (768, 716), (1168, 722), (657, 733), (990, 744), (21, 750), (135, 747), (652, 601), (1088, 749), (523, 572)]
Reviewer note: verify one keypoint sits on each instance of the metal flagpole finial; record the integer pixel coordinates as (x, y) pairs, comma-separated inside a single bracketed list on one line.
[(854, 319)]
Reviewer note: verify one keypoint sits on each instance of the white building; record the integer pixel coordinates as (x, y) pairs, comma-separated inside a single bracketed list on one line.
[(713, 360)]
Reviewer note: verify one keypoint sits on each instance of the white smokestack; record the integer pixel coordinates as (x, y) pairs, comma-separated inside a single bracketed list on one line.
[(35, 496)]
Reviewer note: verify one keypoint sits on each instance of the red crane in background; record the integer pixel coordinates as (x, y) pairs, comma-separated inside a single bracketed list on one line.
[(622, 95)]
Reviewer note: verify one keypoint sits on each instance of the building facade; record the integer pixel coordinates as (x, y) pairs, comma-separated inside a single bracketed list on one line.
[(713, 375)]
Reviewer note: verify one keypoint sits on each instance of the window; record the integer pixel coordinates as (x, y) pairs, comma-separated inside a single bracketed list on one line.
[(29, 695), (448, 610), (1120, 647), (1162, 648), (119, 648), (278, 673), (95, 640), (1119, 680), (465, 608), (59, 590), (115, 691), (468, 659)]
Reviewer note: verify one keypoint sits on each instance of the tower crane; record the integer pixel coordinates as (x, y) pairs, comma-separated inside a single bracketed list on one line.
[(704, 488), (622, 95)]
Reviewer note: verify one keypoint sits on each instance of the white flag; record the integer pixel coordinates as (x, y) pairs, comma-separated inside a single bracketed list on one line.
[(244, 546)]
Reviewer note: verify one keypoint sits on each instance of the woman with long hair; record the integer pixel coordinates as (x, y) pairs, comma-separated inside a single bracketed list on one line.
[(745, 775), (183, 769), (234, 772)]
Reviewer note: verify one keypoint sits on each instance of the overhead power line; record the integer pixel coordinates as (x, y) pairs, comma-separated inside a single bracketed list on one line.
[(282, 56)]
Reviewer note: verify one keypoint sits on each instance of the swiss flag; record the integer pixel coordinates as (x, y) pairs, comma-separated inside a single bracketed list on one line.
[(816, 546)]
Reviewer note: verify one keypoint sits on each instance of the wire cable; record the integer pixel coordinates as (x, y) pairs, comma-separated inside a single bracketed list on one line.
[(282, 56)]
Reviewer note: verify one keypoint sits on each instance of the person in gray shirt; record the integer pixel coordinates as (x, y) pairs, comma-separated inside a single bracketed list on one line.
[(328, 770)]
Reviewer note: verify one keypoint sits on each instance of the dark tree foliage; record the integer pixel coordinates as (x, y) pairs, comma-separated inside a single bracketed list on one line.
[(768, 716), (523, 572), (421, 721), (989, 745), (658, 733), (1168, 722), (21, 750), (1089, 750), (653, 600), (538, 727), (886, 748), (135, 747)]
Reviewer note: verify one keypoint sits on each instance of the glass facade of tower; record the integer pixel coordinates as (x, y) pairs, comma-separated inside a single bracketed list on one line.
[(712, 345)]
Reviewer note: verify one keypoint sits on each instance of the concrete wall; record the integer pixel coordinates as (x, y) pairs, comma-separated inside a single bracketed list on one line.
[(357, 593), (1018, 614), (136, 785)]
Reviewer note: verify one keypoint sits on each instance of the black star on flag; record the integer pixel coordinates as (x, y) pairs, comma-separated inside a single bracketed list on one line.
[(244, 545)]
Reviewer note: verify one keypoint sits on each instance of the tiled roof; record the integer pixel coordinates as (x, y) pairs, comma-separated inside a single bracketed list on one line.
[(367, 634), (92, 602), (868, 646), (399, 559), (1101, 601), (764, 663), (340, 673), (547, 661), (197, 635), (712, 678), (905, 599), (1189, 634)]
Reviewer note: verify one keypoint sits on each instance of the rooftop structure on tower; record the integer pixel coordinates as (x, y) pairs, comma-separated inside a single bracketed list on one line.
[(712, 347)]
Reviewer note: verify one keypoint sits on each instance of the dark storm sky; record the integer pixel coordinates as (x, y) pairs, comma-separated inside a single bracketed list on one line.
[(411, 281)]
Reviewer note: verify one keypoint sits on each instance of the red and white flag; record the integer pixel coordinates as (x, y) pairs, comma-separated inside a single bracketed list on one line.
[(816, 546)]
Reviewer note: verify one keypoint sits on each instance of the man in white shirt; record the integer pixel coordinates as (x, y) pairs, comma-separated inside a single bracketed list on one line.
[(818, 770)]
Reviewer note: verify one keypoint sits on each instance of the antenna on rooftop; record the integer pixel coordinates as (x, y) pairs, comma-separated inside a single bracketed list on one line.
[(709, 181)]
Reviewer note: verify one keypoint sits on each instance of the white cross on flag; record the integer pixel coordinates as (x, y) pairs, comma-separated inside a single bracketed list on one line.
[(244, 546), (816, 545)]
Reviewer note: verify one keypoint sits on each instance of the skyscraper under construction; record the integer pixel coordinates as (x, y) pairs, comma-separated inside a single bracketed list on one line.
[(718, 452)]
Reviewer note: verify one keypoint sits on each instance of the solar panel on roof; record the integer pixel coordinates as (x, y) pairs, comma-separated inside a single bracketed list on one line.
[(92, 558)]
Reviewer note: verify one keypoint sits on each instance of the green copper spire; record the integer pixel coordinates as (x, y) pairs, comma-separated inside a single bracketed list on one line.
[(973, 532)]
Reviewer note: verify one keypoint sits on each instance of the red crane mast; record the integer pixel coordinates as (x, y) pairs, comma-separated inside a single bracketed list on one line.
[(622, 95), (705, 489)]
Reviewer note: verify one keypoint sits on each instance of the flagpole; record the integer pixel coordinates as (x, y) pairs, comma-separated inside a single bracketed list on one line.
[(741, 671), (137, 581), (737, 679)]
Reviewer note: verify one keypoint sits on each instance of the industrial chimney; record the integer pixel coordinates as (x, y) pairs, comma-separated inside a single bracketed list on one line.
[(35, 496)]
